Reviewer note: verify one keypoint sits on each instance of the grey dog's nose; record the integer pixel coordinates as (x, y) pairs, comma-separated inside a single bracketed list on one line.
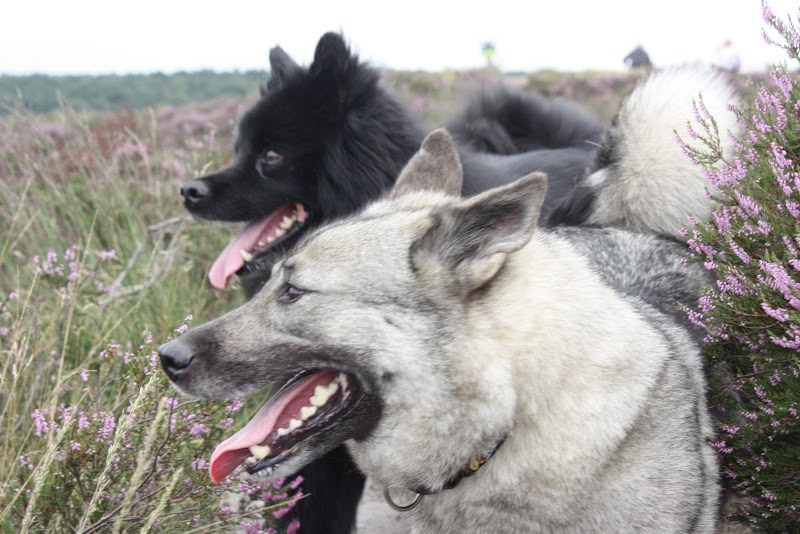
[(176, 356)]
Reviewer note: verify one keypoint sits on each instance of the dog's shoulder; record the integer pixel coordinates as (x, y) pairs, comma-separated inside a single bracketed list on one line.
[(646, 266)]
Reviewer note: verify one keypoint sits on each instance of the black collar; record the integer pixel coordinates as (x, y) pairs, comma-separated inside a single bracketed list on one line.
[(466, 471)]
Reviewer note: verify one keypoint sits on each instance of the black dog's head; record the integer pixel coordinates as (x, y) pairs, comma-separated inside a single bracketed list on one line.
[(320, 143)]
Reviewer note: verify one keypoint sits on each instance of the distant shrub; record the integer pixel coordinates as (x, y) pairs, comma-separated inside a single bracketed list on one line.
[(42, 93)]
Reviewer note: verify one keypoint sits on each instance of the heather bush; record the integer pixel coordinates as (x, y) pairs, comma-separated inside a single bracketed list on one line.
[(131, 455), (752, 314)]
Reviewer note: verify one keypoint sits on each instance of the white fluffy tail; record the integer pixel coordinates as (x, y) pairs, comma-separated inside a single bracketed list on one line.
[(646, 182)]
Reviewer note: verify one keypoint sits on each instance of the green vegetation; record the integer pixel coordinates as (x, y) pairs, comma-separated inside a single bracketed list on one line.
[(42, 93), (434, 95), (98, 267)]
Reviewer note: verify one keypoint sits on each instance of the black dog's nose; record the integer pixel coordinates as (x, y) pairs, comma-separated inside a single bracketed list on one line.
[(194, 191), (175, 357)]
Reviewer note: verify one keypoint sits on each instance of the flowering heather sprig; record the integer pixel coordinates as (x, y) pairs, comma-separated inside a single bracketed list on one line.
[(113, 469), (752, 313), (75, 266)]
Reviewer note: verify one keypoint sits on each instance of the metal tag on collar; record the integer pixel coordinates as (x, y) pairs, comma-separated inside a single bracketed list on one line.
[(413, 504)]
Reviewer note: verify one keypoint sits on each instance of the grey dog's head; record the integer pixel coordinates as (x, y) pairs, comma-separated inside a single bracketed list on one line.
[(364, 322)]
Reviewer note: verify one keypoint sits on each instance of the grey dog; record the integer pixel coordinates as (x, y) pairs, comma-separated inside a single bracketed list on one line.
[(514, 379)]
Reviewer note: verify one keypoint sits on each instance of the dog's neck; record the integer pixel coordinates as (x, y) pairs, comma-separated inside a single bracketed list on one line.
[(467, 470)]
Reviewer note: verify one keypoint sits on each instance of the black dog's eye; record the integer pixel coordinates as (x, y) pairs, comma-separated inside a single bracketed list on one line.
[(290, 293), (271, 157)]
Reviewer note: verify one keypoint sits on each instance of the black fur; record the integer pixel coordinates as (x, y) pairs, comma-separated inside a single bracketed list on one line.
[(576, 207), (341, 141), (334, 483), (503, 121)]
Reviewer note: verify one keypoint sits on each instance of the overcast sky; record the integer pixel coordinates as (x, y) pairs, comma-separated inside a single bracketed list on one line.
[(102, 36)]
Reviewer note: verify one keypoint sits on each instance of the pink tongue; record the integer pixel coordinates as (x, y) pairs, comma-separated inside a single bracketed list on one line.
[(230, 260), (276, 413)]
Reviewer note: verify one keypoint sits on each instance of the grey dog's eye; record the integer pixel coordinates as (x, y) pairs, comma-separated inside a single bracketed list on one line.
[(271, 157), (291, 293)]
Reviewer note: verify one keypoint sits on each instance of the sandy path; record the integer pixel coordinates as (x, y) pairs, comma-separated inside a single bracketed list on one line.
[(375, 516)]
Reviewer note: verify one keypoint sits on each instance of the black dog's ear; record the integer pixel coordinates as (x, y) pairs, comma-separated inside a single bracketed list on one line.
[(331, 56), (436, 167), (332, 69), (281, 67)]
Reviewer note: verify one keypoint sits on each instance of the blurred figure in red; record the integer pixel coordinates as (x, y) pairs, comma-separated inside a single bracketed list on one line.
[(728, 58)]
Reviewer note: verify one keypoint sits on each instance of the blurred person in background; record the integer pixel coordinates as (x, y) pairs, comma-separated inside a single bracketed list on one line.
[(728, 58), (638, 59)]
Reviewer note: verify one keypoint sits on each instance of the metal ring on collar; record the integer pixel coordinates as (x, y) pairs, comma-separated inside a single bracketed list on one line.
[(397, 507)]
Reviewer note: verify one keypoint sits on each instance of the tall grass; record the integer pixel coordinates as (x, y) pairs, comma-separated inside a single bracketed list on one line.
[(98, 265)]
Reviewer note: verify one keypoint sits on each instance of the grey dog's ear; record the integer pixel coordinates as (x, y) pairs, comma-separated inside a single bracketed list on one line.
[(435, 167), (472, 239)]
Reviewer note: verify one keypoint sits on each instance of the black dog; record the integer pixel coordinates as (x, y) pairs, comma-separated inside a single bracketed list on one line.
[(322, 142), (325, 140)]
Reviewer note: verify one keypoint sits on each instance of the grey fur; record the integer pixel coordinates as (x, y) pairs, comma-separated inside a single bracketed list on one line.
[(644, 265), (437, 162), (463, 320)]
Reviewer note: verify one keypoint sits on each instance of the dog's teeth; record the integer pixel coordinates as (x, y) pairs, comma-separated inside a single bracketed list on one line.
[(287, 222), (251, 460), (270, 239), (279, 232), (294, 424), (261, 243), (259, 451), (323, 393), (282, 432), (246, 256), (307, 412)]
